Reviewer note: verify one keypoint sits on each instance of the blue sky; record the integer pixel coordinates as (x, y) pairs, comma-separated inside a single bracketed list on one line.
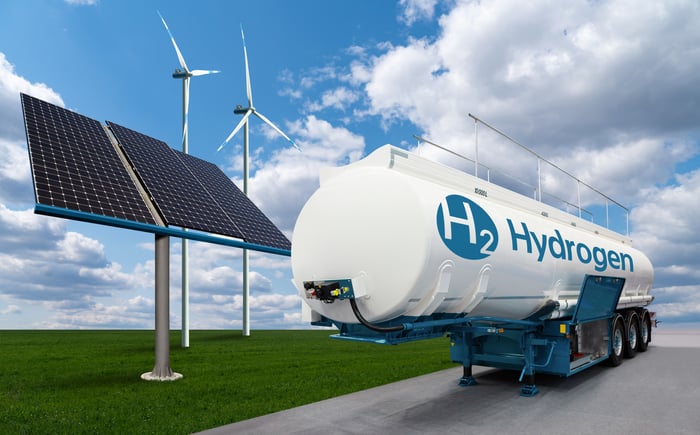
[(608, 90)]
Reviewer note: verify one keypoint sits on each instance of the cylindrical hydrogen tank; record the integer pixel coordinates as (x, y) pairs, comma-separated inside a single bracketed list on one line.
[(418, 238)]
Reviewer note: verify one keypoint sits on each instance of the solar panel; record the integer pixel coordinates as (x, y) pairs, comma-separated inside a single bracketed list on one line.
[(178, 195), (256, 227), (76, 167)]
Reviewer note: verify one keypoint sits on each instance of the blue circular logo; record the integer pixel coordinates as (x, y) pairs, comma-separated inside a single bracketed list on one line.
[(465, 228)]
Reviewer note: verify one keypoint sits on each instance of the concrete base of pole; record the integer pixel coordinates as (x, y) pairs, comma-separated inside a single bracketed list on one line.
[(150, 376)]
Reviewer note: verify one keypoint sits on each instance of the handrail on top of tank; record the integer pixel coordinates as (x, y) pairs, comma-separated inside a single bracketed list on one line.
[(539, 176), (488, 177), (537, 189)]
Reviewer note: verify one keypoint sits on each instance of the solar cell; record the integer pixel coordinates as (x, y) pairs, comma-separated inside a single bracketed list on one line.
[(75, 165)]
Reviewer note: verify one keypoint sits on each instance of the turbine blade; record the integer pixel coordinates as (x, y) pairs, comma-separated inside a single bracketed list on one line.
[(268, 122), (248, 89), (177, 50), (202, 72), (235, 130)]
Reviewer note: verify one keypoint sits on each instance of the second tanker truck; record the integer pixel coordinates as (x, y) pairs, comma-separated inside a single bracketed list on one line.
[(395, 248)]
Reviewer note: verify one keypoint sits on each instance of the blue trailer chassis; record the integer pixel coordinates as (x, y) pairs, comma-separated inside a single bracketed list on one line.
[(535, 345)]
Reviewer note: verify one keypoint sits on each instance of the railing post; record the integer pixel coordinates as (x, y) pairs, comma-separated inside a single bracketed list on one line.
[(539, 179), (476, 148), (578, 194)]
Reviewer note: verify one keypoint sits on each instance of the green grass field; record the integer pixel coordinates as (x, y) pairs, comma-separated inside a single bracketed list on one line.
[(89, 381)]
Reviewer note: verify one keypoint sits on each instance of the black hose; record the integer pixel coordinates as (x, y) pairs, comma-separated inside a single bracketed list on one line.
[(372, 326)]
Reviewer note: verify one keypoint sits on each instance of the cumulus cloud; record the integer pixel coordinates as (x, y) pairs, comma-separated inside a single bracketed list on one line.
[(678, 303), (11, 84), (282, 185), (16, 186), (270, 311), (624, 165), (665, 228), (99, 315), (339, 98), (40, 260), (10, 309), (415, 10), (552, 77)]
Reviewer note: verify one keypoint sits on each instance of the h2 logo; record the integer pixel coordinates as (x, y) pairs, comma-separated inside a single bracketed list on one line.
[(465, 228)]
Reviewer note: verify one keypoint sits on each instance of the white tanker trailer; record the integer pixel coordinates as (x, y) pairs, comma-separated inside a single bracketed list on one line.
[(395, 248)]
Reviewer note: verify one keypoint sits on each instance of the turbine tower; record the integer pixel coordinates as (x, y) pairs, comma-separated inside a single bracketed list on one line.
[(246, 112), (184, 74)]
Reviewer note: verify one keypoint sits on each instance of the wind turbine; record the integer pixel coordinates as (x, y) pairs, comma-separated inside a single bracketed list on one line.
[(185, 74), (246, 112)]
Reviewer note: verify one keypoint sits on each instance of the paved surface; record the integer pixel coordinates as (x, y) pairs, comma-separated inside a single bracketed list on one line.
[(656, 392)]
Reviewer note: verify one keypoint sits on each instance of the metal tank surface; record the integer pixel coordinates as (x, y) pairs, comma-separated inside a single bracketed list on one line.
[(416, 238)]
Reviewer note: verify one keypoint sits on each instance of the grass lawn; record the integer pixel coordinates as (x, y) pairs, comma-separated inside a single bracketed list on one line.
[(89, 381)]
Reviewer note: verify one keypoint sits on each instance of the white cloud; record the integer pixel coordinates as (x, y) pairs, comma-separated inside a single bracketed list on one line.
[(98, 315), (10, 309), (77, 248), (415, 10), (11, 84), (16, 186), (623, 166), (271, 310), (665, 227), (338, 98), (284, 183), (535, 71), (677, 303), (63, 265)]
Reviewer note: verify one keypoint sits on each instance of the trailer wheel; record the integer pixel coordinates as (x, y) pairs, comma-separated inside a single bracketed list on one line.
[(617, 341), (644, 331), (632, 334)]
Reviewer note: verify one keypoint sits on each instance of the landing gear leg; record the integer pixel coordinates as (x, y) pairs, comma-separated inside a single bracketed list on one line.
[(529, 389), (467, 380)]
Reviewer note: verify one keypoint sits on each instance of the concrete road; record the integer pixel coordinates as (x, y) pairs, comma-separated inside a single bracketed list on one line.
[(656, 392)]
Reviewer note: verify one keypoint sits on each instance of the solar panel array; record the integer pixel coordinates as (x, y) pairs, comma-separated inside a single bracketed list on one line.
[(75, 166)]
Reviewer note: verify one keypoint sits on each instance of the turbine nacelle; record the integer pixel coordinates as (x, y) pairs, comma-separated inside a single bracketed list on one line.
[(240, 110), (181, 74)]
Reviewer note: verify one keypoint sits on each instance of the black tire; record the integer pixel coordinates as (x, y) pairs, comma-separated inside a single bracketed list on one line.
[(631, 334), (617, 341), (644, 331)]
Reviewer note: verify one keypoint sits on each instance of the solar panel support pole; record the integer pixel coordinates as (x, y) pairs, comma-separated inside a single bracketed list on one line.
[(246, 282), (161, 370)]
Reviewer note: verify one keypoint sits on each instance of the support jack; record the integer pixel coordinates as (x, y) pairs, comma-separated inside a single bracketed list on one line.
[(529, 390), (467, 381)]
